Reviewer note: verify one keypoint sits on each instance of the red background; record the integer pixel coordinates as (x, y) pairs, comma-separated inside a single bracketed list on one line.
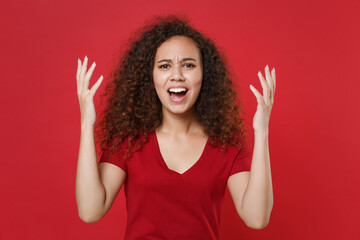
[(314, 126)]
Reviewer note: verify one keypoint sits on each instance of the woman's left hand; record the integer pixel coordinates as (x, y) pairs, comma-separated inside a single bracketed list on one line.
[(265, 103)]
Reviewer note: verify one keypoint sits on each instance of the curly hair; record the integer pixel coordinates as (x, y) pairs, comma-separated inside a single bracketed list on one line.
[(133, 108)]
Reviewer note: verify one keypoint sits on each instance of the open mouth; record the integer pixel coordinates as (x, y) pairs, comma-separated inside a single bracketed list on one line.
[(177, 94)]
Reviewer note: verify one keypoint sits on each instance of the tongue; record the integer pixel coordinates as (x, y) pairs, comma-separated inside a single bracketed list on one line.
[(177, 95)]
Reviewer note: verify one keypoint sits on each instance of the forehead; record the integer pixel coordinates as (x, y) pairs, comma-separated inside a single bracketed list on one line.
[(178, 46)]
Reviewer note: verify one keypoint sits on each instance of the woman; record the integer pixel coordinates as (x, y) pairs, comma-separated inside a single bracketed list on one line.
[(172, 135)]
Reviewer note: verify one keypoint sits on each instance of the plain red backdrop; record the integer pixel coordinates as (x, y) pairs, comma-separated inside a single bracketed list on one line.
[(314, 126)]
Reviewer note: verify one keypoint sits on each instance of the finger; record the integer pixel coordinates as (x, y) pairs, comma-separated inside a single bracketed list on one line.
[(78, 72), (83, 71), (269, 80), (258, 95), (266, 89), (88, 76), (274, 79), (96, 86)]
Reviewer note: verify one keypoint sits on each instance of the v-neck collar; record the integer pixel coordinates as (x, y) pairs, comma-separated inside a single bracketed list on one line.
[(160, 157)]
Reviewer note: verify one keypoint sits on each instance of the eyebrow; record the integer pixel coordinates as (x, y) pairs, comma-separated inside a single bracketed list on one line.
[(183, 60)]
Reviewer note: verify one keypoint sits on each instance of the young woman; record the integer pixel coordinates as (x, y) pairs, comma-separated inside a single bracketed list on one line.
[(172, 134)]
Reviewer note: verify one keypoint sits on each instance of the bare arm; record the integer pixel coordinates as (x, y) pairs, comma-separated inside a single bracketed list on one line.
[(252, 192), (96, 186), (90, 192)]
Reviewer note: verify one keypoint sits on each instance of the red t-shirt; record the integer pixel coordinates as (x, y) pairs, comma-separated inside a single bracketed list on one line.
[(164, 204)]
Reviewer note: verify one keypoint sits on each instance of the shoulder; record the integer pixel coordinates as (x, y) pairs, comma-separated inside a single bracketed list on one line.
[(132, 143), (226, 152), (226, 148)]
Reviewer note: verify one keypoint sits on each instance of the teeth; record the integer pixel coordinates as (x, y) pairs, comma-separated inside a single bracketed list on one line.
[(176, 90)]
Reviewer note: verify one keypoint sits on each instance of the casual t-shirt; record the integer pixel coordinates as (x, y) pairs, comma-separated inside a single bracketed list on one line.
[(164, 204)]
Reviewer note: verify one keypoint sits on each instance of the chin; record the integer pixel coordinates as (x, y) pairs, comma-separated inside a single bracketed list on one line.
[(177, 110)]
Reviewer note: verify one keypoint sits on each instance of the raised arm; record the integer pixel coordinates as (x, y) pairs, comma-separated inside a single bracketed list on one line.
[(252, 192), (96, 185)]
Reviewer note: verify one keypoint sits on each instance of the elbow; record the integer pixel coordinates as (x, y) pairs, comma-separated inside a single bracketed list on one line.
[(90, 213), (258, 220), (258, 225), (88, 218)]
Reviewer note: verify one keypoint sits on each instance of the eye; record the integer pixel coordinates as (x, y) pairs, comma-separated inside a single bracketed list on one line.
[(189, 65), (164, 66)]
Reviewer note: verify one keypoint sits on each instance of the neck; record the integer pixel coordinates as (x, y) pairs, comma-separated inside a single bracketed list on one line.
[(180, 124)]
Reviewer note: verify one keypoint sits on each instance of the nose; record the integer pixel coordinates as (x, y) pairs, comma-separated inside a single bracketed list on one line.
[(177, 74)]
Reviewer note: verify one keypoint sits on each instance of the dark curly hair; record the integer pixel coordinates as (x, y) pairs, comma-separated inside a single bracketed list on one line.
[(133, 108)]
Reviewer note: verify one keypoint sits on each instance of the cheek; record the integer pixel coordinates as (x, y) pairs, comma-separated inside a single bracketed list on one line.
[(159, 83), (159, 78), (197, 79), (155, 77)]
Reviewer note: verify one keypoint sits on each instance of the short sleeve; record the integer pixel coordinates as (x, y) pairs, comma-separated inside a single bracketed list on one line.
[(242, 162), (116, 158)]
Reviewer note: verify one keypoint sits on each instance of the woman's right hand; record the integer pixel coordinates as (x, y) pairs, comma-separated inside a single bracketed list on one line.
[(86, 96)]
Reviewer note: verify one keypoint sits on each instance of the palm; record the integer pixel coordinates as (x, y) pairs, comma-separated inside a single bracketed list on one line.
[(265, 102), (86, 96)]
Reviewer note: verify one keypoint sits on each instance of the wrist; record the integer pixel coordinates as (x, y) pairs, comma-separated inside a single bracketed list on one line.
[(87, 127), (261, 134)]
